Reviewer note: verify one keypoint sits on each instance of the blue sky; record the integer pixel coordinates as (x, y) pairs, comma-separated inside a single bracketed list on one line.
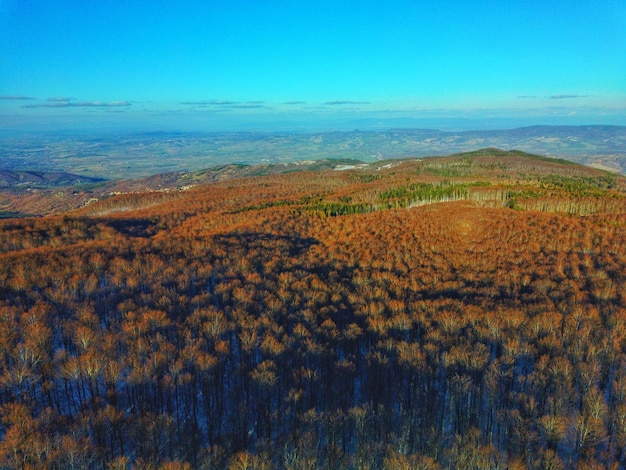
[(206, 64)]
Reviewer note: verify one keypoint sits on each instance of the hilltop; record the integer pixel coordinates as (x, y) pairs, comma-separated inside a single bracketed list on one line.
[(510, 170)]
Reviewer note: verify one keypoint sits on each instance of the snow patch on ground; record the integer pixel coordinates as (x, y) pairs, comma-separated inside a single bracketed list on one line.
[(351, 167)]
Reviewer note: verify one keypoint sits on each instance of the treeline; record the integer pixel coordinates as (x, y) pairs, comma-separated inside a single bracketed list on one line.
[(445, 336)]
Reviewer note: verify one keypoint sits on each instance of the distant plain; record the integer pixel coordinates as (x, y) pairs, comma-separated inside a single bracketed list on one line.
[(125, 155)]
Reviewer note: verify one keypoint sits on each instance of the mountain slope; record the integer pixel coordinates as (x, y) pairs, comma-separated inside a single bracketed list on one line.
[(493, 166)]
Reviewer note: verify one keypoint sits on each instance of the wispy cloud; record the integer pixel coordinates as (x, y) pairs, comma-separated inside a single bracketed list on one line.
[(16, 98), (563, 97), (294, 102), (340, 102), (100, 104), (225, 105), (247, 106), (222, 103), (58, 99), (209, 103), (79, 104)]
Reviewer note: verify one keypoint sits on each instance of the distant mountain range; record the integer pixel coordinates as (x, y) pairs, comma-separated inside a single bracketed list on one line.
[(133, 155)]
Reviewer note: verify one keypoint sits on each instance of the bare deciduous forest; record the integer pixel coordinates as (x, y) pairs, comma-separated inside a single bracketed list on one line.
[(460, 312)]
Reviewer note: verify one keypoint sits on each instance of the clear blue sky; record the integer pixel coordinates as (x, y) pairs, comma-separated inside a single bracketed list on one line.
[(205, 62)]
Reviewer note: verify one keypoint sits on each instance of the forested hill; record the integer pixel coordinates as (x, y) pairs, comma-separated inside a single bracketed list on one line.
[(41, 193), (456, 312)]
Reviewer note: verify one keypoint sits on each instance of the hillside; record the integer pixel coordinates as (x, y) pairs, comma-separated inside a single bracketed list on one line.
[(465, 311), (491, 165), (41, 193)]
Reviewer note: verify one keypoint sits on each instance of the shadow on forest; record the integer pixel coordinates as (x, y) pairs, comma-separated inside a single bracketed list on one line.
[(295, 245), (141, 228)]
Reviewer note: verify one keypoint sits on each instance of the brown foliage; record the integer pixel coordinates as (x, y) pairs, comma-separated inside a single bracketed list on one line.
[(238, 325)]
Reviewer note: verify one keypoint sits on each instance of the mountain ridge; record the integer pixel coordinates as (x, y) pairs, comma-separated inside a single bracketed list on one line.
[(489, 165)]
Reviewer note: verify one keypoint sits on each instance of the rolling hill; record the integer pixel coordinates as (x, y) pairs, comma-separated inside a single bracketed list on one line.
[(43, 193)]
